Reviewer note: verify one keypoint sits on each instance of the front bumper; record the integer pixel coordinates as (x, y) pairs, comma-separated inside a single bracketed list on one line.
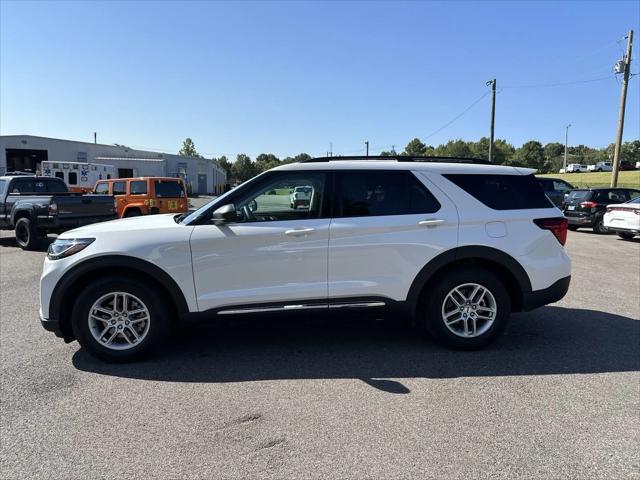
[(51, 326), (538, 298)]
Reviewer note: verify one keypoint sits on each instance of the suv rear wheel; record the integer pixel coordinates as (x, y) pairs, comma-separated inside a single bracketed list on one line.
[(467, 309), (118, 320), (598, 225)]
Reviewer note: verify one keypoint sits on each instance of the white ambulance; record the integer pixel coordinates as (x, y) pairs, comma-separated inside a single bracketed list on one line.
[(79, 176)]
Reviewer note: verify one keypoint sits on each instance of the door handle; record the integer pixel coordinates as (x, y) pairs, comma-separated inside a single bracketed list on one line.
[(431, 222), (296, 232)]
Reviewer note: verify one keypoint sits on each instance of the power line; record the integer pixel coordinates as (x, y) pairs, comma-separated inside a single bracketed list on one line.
[(475, 102), (560, 84)]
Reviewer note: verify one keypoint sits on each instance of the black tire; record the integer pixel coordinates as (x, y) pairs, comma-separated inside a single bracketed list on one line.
[(573, 228), (158, 326), (625, 235), (437, 295), (27, 237), (598, 225), (132, 212)]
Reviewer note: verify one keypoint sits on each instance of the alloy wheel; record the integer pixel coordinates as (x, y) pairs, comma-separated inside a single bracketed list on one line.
[(119, 321), (469, 310)]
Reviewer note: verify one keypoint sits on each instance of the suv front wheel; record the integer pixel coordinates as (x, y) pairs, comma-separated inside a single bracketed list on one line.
[(117, 320), (467, 309)]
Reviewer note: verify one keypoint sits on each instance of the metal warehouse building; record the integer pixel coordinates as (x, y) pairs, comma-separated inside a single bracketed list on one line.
[(26, 152)]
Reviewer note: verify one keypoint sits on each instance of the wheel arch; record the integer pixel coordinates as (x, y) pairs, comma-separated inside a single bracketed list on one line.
[(62, 298), (135, 206), (507, 268)]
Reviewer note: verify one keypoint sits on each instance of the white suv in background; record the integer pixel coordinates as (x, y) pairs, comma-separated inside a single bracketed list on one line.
[(576, 168), (452, 246)]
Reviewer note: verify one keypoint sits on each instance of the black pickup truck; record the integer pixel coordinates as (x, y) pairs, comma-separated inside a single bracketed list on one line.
[(35, 206)]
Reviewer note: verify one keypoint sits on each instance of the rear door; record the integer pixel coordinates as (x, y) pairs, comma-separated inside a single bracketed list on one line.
[(170, 196), (386, 226)]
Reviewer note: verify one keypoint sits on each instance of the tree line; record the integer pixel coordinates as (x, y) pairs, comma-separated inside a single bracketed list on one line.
[(532, 154)]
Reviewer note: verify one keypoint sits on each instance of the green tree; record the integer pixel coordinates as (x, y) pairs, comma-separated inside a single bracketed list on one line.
[(188, 149), (266, 161), (243, 168), (301, 157), (502, 150), (455, 148), (224, 162), (415, 148), (630, 151), (531, 155)]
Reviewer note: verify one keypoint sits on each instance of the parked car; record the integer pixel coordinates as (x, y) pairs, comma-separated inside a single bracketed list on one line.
[(145, 195), (626, 166), (301, 196), (576, 168), (452, 247), (624, 218), (34, 206), (561, 170), (637, 165), (600, 167), (556, 189), (585, 207)]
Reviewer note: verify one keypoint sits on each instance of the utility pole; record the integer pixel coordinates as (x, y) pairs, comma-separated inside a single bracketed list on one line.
[(367, 145), (493, 116), (330, 149), (566, 143), (95, 137), (623, 101)]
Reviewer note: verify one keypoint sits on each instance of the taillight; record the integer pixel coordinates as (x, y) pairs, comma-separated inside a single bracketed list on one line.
[(589, 204), (556, 225), (53, 209)]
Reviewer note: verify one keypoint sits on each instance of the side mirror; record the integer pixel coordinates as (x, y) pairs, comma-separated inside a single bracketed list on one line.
[(224, 214)]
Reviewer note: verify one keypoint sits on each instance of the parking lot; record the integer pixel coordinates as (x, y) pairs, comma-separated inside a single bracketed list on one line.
[(556, 397)]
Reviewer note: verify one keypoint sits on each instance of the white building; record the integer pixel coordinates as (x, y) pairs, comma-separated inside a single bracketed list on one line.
[(26, 152)]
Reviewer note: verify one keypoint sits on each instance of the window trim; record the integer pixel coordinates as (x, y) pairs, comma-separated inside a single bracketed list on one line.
[(113, 188), (335, 198), (256, 182)]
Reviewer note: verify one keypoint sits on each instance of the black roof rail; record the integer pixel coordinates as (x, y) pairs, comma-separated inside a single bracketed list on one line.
[(401, 158)]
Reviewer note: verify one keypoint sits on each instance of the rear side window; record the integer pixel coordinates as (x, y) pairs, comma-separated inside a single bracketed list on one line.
[(138, 187), (60, 175), (102, 188), (73, 178), (23, 186), (56, 187), (378, 192), (168, 189), (503, 192), (119, 188)]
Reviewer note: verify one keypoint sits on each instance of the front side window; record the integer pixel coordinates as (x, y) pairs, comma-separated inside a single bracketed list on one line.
[(60, 175), (283, 196), (378, 192), (23, 186), (119, 188), (102, 188), (560, 186), (138, 187)]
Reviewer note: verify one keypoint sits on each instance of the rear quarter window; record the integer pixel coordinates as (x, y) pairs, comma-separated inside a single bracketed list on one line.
[(168, 189), (503, 192)]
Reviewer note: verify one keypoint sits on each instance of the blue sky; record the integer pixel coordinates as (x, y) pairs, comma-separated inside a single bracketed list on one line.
[(291, 77)]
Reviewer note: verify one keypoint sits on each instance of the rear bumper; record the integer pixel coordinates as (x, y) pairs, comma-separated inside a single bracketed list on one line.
[(580, 220), (623, 230), (538, 298)]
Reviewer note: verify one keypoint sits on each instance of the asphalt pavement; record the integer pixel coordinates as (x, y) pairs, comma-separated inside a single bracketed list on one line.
[(557, 397)]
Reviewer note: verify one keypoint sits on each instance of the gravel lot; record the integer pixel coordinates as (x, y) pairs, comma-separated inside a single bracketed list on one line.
[(558, 396)]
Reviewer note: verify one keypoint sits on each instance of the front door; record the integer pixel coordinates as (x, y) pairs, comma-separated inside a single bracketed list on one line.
[(387, 226), (274, 253)]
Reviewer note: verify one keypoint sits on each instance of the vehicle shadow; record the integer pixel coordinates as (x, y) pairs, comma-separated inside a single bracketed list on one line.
[(551, 340), (11, 242)]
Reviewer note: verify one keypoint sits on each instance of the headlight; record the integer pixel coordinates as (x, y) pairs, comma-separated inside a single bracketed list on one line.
[(65, 247)]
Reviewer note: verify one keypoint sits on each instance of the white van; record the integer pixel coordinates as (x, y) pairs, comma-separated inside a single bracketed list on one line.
[(79, 176)]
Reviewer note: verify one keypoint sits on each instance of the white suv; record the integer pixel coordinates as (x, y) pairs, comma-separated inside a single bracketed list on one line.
[(452, 247)]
